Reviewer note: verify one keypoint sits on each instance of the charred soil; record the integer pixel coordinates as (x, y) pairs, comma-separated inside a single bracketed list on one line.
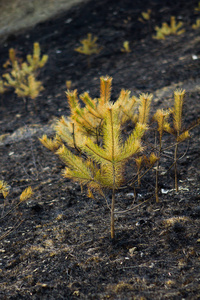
[(57, 245)]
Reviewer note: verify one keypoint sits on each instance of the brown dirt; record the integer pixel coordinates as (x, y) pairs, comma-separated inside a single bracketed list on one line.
[(57, 245)]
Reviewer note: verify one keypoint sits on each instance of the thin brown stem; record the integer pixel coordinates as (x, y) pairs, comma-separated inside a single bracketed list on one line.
[(157, 168), (175, 167), (112, 225)]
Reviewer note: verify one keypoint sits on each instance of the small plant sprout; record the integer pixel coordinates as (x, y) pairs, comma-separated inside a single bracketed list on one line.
[(161, 117), (22, 76), (68, 84), (26, 194), (145, 16), (126, 47), (13, 205), (89, 46), (197, 9), (196, 25), (177, 125), (4, 188), (165, 30)]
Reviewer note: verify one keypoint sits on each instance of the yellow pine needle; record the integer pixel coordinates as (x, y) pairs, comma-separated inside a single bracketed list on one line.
[(185, 135), (91, 106), (36, 51), (161, 117), (77, 169), (126, 47), (34, 87), (66, 131), (26, 194), (144, 107), (105, 89), (139, 161), (178, 107), (90, 194), (153, 159), (4, 188), (51, 144), (72, 99)]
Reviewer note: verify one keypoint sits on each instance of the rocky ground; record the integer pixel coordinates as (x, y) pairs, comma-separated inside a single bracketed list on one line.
[(57, 245)]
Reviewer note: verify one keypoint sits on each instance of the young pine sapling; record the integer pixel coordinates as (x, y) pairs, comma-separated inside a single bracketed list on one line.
[(95, 133)]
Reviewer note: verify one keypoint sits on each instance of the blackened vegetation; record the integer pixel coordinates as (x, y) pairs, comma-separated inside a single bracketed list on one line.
[(58, 244)]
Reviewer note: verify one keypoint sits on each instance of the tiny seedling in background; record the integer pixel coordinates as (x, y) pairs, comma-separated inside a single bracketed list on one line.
[(165, 29), (126, 47), (22, 76), (197, 24), (68, 84), (11, 206), (89, 46), (145, 16), (197, 9)]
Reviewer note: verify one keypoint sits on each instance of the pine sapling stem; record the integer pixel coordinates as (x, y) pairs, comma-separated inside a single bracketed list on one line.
[(157, 170), (112, 225), (175, 167)]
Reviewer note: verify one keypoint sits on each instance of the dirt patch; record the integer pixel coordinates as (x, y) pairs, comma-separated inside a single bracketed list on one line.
[(57, 245)]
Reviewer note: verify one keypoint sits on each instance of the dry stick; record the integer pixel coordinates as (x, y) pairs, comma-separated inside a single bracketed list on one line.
[(130, 209), (10, 230)]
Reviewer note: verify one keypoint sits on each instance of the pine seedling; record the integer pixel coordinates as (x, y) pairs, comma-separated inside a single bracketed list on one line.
[(145, 16), (104, 164), (26, 194), (34, 61), (5, 189), (100, 162), (89, 46), (22, 76), (161, 117), (196, 25), (177, 126), (126, 47), (68, 84), (165, 29), (197, 9)]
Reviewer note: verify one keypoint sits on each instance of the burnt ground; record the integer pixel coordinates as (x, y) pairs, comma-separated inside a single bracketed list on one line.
[(57, 245)]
